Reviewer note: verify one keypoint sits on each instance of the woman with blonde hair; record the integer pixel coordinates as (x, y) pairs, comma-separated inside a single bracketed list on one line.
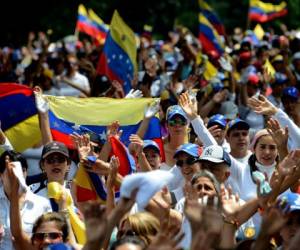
[(144, 225)]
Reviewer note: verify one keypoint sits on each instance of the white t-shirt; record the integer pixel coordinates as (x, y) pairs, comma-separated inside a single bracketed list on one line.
[(79, 80), (34, 206)]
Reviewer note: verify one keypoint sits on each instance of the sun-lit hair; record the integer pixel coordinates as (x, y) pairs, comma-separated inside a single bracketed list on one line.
[(143, 224), (59, 220)]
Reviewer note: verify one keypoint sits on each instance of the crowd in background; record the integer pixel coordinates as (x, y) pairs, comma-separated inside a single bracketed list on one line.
[(228, 174)]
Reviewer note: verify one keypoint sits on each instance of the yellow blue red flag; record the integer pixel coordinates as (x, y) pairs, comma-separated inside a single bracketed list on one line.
[(262, 12), (118, 58)]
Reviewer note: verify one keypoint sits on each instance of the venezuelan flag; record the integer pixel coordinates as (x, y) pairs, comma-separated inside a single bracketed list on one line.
[(209, 37), (91, 24), (18, 115), (94, 114), (212, 17), (118, 58), (262, 12)]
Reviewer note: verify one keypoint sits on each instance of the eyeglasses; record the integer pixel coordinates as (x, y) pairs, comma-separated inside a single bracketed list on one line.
[(42, 236), (188, 161), (180, 122), (58, 159)]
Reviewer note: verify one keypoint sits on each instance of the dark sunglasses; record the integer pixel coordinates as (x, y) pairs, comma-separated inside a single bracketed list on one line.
[(42, 236), (180, 122), (189, 161), (58, 159)]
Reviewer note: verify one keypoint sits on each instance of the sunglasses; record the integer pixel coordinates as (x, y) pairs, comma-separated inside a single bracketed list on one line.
[(42, 236), (189, 161), (180, 122), (57, 159)]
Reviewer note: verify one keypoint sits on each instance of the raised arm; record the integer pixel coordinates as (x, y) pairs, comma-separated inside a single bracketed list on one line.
[(264, 107), (42, 106)]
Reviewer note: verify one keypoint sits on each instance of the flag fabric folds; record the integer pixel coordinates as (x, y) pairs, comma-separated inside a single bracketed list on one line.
[(262, 12), (212, 17), (91, 24), (209, 37), (94, 114), (118, 58), (18, 115)]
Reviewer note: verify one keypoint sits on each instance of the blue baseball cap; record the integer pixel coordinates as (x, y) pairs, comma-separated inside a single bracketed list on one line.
[(216, 84), (151, 144), (237, 123), (175, 110), (280, 78), (189, 148), (291, 92), (59, 246), (292, 200), (217, 120)]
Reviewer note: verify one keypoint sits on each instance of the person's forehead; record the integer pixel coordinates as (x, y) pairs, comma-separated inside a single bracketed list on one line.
[(48, 226), (238, 130)]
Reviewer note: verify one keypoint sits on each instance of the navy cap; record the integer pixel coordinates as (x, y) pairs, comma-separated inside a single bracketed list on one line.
[(217, 120), (175, 110), (189, 148), (151, 144), (291, 92), (237, 123), (216, 154), (292, 200)]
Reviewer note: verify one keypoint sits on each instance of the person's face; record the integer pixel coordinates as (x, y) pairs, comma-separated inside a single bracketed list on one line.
[(204, 187), (251, 89), (291, 227), (47, 233), (290, 106), (220, 170), (177, 125), (187, 165), (238, 139), (153, 157), (129, 246), (266, 150), (56, 167)]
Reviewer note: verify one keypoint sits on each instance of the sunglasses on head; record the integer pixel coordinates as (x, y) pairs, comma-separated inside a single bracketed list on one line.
[(180, 122), (42, 236), (55, 159), (189, 161)]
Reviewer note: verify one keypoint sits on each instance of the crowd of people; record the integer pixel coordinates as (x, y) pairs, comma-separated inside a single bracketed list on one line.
[(227, 176)]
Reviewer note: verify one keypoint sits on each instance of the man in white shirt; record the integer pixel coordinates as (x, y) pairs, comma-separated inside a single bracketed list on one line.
[(237, 135)]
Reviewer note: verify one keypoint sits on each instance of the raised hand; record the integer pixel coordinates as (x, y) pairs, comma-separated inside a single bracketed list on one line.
[(134, 94), (220, 96), (41, 102), (279, 135), (83, 145), (95, 223), (230, 203), (190, 82), (113, 130), (225, 64), (113, 171), (289, 164), (136, 145), (262, 106), (187, 105), (152, 109)]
